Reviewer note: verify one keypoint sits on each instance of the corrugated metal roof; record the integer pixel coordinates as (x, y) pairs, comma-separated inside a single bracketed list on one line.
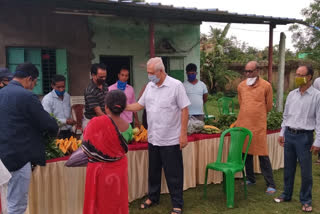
[(158, 11)]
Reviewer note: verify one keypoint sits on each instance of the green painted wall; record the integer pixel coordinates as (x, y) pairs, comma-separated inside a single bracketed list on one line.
[(127, 37)]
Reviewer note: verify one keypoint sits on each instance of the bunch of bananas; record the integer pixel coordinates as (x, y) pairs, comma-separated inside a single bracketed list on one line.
[(68, 145), (140, 135), (208, 129)]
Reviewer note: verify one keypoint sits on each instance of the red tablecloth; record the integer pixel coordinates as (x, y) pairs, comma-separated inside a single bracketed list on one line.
[(144, 145)]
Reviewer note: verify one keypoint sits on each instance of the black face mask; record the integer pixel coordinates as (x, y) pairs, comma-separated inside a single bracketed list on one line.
[(100, 81)]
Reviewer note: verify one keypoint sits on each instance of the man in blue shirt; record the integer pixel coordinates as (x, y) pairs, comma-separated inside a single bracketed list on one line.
[(23, 125), (57, 102), (197, 92)]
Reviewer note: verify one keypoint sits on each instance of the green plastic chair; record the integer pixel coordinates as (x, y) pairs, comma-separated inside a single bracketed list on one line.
[(235, 163), (206, 116), (224, 106)]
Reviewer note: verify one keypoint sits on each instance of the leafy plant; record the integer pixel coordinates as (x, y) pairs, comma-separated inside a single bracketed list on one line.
[(52, 151), (223, 122), (274, 120), (213, 60)]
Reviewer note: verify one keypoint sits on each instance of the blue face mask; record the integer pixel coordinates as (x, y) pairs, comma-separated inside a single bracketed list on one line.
[(191, 77), (121, 85), (59, 93), (153, 78)]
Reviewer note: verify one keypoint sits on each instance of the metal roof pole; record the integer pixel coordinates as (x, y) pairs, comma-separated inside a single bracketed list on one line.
[(270, 60), (151, 39)]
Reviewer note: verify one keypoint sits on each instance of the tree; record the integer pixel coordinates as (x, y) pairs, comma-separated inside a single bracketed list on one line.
[(213, 59), (307, 39)]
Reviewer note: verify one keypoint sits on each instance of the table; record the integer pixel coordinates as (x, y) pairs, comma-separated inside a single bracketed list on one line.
[(59, 189)]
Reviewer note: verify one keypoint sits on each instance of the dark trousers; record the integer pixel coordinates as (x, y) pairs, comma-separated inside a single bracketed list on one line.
[(265, 167), (170, 159), (64, 134), (297, 146)]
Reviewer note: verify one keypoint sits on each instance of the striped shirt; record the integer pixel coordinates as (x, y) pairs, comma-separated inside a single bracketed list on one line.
[(94, 97)]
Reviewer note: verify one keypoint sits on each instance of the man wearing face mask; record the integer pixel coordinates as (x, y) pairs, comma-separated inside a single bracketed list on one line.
[(255, 100), (5, 77), (95, 93), (122, 85), (57, 102), (301, 117), (23, 125), (166, 103), (197, 92)]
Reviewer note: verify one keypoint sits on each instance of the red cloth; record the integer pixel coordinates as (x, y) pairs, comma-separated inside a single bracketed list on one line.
[(138, 146), (106, 190), (102, 134)]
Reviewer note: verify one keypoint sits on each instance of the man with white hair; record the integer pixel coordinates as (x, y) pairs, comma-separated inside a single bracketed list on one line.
[(166, 102)]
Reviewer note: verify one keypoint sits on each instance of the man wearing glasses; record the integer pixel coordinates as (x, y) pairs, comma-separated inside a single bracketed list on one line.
[(255, 100), (5, 77), (300, 118)]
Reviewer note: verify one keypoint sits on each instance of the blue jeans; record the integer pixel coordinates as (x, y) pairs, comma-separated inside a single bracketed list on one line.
[(297, 146), (18, 189)]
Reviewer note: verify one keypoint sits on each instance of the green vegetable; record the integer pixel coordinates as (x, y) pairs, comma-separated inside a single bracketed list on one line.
[(223, 122), (52, 151), (274, 120)]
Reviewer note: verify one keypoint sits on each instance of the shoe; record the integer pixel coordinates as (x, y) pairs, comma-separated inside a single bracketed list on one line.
[(270, 191), (249, 183)]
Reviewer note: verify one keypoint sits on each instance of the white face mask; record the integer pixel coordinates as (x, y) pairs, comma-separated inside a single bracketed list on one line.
[(251, 81)]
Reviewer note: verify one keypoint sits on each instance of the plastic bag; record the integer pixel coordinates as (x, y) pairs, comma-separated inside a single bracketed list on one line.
[(77, 158), (194, 125)]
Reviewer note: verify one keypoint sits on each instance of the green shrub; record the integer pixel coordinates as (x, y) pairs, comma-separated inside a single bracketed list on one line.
[(222, 122), (274, 120)]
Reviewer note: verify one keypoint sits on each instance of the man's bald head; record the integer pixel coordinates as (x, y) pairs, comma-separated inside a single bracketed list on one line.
[(251, 69), (252, 65)]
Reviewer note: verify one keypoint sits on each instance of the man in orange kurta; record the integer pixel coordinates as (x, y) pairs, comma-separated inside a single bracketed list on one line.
[(255, 99)]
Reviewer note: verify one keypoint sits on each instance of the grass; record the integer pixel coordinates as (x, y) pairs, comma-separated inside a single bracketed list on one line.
[(257, 202)]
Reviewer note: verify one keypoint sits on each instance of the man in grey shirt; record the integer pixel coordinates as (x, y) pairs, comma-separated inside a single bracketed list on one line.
[(300, 118)]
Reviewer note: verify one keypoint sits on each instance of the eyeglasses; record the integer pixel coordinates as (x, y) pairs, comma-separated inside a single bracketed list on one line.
[(249, 71), (300, 75)]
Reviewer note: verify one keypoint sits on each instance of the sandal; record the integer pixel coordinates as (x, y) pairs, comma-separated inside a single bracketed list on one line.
[(176, 211), (270, 190), (280, 199), (146, 205), (317, 161), (306, 208)]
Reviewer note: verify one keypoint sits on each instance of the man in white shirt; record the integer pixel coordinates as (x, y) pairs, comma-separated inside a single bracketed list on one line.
[(197, 92), (166, 102), (57, 102), (300, 118)]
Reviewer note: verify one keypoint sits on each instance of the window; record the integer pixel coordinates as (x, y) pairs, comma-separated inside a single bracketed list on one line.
[(174, 67), (48, 61)]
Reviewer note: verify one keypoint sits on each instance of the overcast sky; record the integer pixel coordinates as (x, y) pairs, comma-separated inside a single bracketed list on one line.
[(254, 35)]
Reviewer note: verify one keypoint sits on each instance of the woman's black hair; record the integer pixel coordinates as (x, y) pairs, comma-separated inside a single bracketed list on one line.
[(116, 101)]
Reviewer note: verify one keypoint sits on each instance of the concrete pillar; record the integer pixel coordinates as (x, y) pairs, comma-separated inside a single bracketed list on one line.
[(281, 69), (270, 54)]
